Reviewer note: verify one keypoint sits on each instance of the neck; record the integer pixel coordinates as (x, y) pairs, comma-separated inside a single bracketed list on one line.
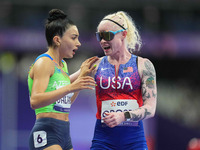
[(121, 57), (54, 53)]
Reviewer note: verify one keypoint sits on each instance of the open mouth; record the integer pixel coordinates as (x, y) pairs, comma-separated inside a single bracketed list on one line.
[(107, 47), (74, 51)]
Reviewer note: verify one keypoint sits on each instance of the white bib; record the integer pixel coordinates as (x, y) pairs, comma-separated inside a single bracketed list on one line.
[(120, 105), (40, 138), (63, 104)]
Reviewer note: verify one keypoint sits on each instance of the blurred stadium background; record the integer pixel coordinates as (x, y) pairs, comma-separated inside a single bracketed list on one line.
[(170, 31)]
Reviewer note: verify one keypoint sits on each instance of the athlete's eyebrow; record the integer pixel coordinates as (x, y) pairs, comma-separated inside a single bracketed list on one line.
[(76, 35)]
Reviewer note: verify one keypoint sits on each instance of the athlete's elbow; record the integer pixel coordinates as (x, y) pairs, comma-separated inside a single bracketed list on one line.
[(151, 108), (153, 114), (153, 111), (33, 104)]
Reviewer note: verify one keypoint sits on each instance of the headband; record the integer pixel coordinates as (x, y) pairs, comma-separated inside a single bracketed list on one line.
[(115, 23)]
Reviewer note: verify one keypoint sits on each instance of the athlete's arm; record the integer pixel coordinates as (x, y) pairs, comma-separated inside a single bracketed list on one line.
[(149, 91), (74, 76), (42, 71)]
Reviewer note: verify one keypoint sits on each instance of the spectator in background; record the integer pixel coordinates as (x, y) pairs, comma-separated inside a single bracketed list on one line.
[(50, 89)]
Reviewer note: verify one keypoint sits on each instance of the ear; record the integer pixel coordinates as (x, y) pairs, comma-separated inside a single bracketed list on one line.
[(56, 40), (124, 33)]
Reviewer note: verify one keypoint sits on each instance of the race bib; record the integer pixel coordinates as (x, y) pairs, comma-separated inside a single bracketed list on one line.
[(40, 138), (120, 105), (64, 104)]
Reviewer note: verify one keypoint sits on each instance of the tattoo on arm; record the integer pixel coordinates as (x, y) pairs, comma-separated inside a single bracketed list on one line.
[(150, 71), (145, 95), (148, 88), (148, 81), (138, 117), (154, 94), (146, 113)]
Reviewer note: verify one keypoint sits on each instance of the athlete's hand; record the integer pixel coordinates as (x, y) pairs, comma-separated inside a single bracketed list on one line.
[(113, 119), (81, 83), (88, 66)]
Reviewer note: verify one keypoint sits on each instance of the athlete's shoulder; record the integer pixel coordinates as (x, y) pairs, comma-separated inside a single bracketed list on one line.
[(43, 63), (144, 64), (142, 61)]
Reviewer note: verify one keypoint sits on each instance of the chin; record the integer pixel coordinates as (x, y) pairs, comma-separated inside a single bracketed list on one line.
[(107, 54), (68, 57)]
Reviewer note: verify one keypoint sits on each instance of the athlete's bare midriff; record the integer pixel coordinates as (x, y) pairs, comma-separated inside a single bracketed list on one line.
[(59, 116)]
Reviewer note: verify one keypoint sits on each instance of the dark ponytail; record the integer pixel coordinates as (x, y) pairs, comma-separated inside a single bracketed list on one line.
[(56, 24)]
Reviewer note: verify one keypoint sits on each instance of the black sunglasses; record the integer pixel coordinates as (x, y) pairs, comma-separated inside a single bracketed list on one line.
[(107, 35)]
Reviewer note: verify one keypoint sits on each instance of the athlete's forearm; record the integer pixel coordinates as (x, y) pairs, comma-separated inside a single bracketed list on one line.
[(39, 100), (74, 76), (144, 112), (149, 96)]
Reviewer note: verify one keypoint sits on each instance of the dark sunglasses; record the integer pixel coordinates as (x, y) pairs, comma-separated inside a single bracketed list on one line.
[(107, 35)]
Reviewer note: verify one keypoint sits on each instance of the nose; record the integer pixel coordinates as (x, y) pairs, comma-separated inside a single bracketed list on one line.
[(102, 41), (78, 44)]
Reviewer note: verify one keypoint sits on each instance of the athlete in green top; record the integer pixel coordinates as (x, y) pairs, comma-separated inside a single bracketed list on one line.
[(59, 79), (51, 91)]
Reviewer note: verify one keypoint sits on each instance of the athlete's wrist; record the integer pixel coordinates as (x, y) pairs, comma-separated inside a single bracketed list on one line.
[(127, 116)]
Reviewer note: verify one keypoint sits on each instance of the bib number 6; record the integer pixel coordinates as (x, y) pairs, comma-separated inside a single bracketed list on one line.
[(40, 138)]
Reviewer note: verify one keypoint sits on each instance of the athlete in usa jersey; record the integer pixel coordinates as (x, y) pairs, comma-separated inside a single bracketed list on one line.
[(126, 90), (118, 93)]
